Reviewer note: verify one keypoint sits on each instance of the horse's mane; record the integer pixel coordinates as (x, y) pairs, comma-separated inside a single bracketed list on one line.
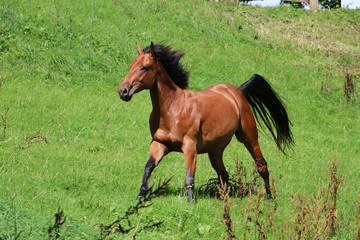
[(170, 59)]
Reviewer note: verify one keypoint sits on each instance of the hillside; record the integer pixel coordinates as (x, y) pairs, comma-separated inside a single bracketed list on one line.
[(67, 141)]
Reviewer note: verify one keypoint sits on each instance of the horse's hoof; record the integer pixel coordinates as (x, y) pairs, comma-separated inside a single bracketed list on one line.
[(139, 197), (269, 197), (191, 200), (190, 195), (142, 193)]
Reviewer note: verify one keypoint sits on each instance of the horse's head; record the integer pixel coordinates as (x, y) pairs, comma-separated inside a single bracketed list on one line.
[(141, 75)]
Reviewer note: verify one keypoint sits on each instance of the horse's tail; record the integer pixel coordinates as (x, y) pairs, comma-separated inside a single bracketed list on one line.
[(265, 103)]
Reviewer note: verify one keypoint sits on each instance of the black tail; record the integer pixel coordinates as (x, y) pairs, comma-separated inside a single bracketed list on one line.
[(267, 104)]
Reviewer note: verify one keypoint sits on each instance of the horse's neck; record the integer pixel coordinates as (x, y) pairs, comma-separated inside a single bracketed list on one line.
[(164, 94)]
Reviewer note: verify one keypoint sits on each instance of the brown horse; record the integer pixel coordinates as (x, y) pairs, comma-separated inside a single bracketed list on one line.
[(205, 121)]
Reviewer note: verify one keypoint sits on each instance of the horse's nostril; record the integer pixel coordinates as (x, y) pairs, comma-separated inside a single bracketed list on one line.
[(125, 91)]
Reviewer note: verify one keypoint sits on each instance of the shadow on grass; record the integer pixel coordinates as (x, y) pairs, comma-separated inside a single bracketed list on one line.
[(211, 189), (241, 184)]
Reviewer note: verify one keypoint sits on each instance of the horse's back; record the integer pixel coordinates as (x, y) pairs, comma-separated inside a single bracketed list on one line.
[(222, 95)]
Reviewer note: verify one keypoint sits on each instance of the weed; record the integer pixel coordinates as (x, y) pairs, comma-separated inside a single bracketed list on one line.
[(33, 139), (245, 183), (271, 214), (4, 121), (240, 184), (15, 231), (59, 220), (349, 86), (316, 217), (334, 184), (257, 219), (2, 81), (254, 212), (124, 224), (226, 206)]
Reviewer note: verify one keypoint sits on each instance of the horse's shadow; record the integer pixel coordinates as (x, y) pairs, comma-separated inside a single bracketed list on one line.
[(214, 189)]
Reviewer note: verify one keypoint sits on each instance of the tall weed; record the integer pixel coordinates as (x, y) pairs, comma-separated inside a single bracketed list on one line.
[(312, 217)]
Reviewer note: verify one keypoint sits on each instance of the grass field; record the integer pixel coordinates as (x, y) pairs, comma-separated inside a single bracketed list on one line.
[(68, 142)]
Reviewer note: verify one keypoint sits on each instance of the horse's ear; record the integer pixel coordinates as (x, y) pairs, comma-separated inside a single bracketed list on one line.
[(139, 50), (152, 50)]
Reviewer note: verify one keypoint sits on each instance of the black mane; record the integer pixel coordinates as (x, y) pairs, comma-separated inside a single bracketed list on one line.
[(170, 59)]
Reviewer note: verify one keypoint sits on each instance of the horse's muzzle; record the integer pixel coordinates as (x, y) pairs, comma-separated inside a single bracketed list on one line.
[(124, 94)]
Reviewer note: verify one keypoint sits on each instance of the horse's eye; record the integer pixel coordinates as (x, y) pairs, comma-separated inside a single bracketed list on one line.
[(144, 68)]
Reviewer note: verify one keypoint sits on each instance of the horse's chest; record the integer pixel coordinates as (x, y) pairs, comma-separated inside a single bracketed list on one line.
[(172, 134), (168, 138)]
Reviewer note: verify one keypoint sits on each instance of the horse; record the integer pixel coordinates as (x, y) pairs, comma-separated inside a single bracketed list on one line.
[(202, 122)]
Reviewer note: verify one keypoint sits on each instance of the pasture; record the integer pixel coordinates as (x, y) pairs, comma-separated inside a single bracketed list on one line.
[(67, 141)]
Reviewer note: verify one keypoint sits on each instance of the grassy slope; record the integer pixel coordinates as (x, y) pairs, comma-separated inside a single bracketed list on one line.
[(61, 63)]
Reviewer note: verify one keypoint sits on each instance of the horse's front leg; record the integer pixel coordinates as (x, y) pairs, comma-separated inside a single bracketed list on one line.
[(157, 152), (189, 150)]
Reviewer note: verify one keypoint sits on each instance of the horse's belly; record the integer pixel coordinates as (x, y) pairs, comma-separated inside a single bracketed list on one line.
[(214, 140), (217, 130)]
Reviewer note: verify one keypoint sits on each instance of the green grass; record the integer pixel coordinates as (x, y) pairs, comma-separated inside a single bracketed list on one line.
[(61, 63)]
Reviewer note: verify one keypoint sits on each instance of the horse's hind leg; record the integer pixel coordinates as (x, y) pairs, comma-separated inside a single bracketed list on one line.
[(250, 140), (216, 159), (261, 164)]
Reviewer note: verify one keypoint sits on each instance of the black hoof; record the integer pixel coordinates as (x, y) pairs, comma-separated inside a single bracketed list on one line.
[(142, 193), (190, 194)]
